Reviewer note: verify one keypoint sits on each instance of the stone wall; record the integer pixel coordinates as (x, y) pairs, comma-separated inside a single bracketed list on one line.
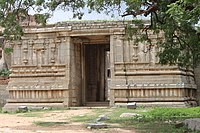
[(3, 92), (138, 77), (48, 68), (197, 79)]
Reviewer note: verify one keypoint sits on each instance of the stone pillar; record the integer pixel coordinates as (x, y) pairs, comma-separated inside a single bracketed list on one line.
[(116, 56), (112, 69), (67, 44)]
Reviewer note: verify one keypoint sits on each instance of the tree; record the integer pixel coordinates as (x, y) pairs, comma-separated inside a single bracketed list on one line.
[(12, 12), (178, 19)]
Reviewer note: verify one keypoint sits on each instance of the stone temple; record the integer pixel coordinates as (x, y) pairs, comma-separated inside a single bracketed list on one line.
[(91, 62)]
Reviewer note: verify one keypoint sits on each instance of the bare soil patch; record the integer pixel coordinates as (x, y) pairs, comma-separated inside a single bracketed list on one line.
[(25, 123)]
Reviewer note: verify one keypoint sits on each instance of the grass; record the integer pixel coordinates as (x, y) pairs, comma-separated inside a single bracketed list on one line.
[(32, 114), (153, 120), (89, 117), (48, 124), (173, 113)]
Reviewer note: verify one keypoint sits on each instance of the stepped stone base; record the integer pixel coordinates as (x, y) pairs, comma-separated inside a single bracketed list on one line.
[(13, 107), (97, 104), (161, 104)]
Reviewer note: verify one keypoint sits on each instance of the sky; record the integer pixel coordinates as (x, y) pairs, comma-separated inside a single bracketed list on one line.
[(60, 15)]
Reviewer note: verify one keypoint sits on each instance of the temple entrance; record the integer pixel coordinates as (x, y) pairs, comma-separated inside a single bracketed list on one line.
[(95, 72)]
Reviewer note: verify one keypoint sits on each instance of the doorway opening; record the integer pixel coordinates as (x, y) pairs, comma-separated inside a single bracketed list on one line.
[(96, 72)]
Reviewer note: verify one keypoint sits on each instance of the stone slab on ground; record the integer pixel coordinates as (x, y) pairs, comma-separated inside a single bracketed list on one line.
[(102, 118), (23, 108), (97, 125), (129, 115), (131, 105), (13, 107), (193, 124)]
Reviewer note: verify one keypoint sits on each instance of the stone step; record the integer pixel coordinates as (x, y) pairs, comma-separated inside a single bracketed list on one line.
[(97, 104), (13, 107)]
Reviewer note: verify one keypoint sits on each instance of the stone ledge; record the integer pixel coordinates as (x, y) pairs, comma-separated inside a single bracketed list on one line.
[(156, 104), (12, 107)]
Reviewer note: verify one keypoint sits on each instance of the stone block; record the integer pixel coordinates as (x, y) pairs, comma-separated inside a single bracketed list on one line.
[(132, 105), (22, 108), (97, 125), (193, 124), (123, 115), (102, 118)]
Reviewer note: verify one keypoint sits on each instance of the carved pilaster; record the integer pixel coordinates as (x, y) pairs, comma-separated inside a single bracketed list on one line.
[(25, 53), (19, 53), (30, 47), (152, 55), (135, 53), (119, 48), (46, 51), (58, 45), (52, 51)]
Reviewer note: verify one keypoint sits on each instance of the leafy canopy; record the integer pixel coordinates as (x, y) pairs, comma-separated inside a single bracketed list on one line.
[(177, 19), (13, 12)]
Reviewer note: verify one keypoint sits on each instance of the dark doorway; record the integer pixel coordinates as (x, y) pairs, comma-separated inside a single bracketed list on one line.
[(95, 72)]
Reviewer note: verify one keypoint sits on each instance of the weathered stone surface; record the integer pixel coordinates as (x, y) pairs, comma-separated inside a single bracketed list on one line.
[(13, 107), (22, 108), (3, 95), (131, 105), (193, 124), (97, 125), (129, 115), (36, 108), (102, 118)]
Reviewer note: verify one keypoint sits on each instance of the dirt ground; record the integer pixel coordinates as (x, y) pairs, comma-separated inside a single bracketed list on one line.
[(24, 123)]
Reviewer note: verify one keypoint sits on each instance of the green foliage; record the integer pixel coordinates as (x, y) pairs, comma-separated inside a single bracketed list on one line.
[(32, 114), (4, 72), (163, 114), (178, 19), (152, 120), (13, 12), (8, 50)]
